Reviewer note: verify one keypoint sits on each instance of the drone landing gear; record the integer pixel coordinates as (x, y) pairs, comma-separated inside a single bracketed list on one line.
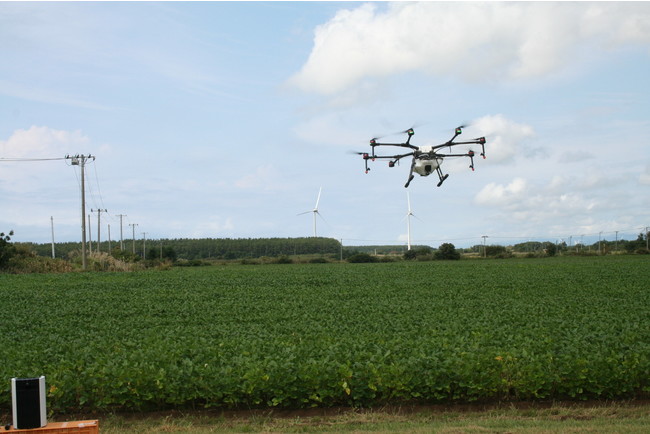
[(411, 176), (441, 176)]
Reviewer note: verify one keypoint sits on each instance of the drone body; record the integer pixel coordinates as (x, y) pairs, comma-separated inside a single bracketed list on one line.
[(424, 165), (426, 159)]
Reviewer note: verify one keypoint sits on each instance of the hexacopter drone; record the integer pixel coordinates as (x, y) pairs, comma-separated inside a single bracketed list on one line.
[(426, 159)]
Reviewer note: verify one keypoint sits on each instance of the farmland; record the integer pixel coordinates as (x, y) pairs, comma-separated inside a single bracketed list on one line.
[(296, 336)]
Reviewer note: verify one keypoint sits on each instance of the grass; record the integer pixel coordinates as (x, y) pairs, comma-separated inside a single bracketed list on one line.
[(592, 417)]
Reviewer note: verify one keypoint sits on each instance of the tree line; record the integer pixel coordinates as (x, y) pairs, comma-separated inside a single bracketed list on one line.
[(202, 248)]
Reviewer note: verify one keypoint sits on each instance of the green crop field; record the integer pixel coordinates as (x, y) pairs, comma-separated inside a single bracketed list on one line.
[(298, 336)]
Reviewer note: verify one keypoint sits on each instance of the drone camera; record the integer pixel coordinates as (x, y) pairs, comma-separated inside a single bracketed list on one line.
[(391, 164)]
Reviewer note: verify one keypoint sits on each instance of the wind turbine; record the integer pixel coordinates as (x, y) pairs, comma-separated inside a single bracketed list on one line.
[(314, 211), (408, 221)]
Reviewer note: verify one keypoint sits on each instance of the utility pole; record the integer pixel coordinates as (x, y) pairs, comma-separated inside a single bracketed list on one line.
[(646, 238), (133, 225), (80, 160), (90, 236), (144, 245), (109, 238), (52, 222), (600, 252), (99, 225), (484, 247), (616, 241), (121, 239)]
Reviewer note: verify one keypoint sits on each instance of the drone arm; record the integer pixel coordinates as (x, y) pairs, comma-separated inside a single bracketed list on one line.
[(400, 145), (479, 141), (469, 154), (372, 157), (393, 158)]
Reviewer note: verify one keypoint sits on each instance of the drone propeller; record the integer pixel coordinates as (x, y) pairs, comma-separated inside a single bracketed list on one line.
[(409, 131), (460, 128)]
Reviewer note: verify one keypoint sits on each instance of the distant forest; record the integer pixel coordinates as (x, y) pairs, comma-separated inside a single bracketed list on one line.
[(203, 248)]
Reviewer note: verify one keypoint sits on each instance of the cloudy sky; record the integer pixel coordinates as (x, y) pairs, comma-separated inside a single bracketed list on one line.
[(225, 119)]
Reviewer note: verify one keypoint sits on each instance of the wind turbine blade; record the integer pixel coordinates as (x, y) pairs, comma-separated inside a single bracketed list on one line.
[(320, 215), (318, 199)]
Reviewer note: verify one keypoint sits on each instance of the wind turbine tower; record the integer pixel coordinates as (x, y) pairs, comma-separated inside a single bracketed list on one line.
[(408, 221), (314, 211)]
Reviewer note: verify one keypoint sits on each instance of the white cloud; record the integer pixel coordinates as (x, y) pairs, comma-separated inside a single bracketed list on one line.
[(495, 194), (473, 41), (37, 142), (563, 204), (41, 142), (505, 137)]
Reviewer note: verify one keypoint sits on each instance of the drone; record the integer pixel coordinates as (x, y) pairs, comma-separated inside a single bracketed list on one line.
[(426, 159)]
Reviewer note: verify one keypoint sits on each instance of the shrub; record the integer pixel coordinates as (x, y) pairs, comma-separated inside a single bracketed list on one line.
[(38, 264), (7, 250), (361, 257), (409, 255), (447, 251), (284, 259), (100, 261)]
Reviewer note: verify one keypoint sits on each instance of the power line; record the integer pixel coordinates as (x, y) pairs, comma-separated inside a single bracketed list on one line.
[(99, 190), (11, 160)]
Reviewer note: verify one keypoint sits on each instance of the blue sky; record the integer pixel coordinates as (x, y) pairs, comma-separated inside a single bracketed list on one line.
[(224, 119)]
